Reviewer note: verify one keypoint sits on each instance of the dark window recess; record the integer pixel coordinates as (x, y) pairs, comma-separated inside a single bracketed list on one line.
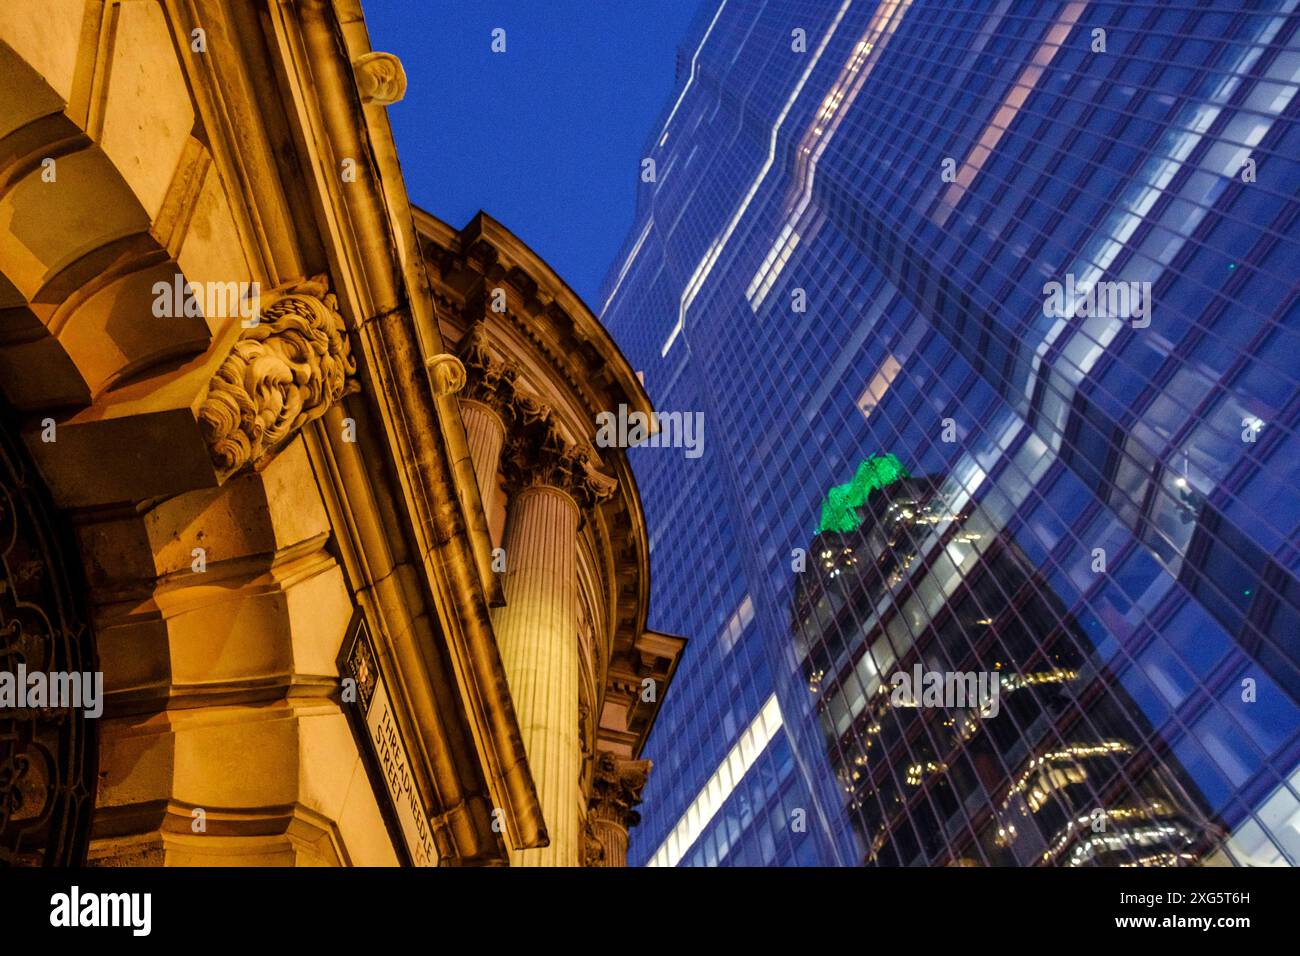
[(1090, 442), (1233, 577), (1229, 564)]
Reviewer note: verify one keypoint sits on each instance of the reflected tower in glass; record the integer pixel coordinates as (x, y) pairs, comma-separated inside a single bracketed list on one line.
[(990, 311)]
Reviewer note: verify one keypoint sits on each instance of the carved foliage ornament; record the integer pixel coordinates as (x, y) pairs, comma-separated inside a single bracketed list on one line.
[(282, 373), (540, 455), (490, 379), (616, 788), (593, 851), (537, 453)]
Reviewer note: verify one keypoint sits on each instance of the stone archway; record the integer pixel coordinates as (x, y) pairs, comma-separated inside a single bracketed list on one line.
[(93, 212), (133, 417)]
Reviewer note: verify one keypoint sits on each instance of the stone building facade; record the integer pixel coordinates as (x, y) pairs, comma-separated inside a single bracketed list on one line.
[(308, 476)]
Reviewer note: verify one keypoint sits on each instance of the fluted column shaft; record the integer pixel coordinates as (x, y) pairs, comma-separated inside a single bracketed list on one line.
[(486, 434), (537, 632), (612, 836)]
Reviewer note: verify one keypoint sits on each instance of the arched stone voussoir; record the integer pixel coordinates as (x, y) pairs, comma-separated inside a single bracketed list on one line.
[(39, 47), (255, 516), (240, 639), (93, 325), (219, 595), (80, 269), (138, 441)]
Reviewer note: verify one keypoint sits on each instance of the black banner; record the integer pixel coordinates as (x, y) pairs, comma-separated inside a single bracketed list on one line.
[(670, 907)]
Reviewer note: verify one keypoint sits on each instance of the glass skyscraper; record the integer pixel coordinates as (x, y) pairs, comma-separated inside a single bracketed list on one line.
[(991, 555)]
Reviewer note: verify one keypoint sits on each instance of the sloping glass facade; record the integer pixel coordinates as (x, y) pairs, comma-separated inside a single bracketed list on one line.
[(991, 312)]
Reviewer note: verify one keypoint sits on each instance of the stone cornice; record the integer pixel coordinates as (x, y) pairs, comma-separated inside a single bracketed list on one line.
[(482, 765), (628, 717), (553, 320)]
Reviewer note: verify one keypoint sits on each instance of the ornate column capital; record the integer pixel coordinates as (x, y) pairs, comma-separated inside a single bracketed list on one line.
[(537, 453), (616, 789), (616, 786), (490, 379), (282, 373), (540, 455)]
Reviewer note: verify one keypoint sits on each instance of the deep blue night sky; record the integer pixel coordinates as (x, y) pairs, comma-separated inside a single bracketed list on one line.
[(546, 137)]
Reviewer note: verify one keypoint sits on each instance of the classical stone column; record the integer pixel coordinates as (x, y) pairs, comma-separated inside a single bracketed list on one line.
[(615, 793), (486, 433), (489, 405), (551, 484), (537, 634)]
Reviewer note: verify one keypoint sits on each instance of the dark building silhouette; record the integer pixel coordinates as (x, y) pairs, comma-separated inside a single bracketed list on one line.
[(1050, 767)]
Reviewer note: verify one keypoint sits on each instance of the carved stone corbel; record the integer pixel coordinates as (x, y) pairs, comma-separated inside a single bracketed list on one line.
[(282, 373), (380, 78), (446, 374)]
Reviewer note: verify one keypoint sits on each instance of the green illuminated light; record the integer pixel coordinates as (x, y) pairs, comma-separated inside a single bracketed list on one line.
[(840, 509)]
